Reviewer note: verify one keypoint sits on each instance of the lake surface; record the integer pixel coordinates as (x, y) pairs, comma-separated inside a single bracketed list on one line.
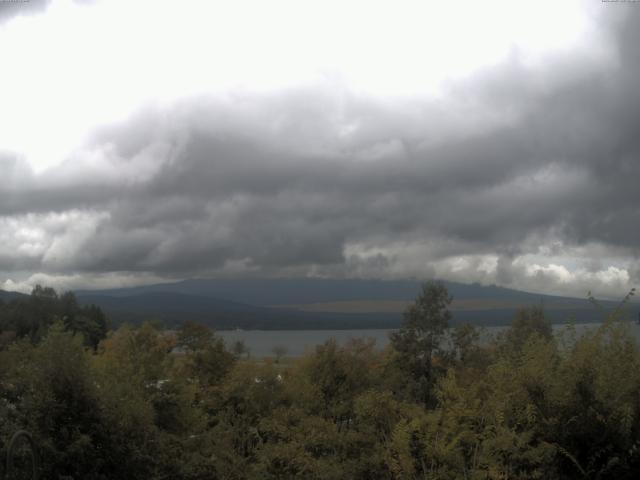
[(262, 342)]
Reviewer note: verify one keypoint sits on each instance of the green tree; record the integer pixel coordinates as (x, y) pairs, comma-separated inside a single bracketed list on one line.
[(148, 401), (418, 343), (336, 376), (31, 317), (527, 322), (206, 357), (50, 391), (465, 338)]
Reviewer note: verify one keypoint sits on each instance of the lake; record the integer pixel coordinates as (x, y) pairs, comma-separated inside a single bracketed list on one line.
[(262, 342)]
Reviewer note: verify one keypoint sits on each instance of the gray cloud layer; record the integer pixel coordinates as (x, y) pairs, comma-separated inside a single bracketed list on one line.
[(14, 8), (522, 176)]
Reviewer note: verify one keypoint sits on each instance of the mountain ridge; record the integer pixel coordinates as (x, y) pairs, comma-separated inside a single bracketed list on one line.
[(260, 303), (274, 291), (312, 303)]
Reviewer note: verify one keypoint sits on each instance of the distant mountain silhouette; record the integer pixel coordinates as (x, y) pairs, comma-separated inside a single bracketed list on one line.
[(249, 303), (279, 291), (6, 296), (171, 309)]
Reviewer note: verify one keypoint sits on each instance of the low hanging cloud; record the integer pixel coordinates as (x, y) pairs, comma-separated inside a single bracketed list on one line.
[(521, 175)]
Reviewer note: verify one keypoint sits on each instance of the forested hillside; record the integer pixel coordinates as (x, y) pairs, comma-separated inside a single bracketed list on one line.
[(436, 404), (30, 316)]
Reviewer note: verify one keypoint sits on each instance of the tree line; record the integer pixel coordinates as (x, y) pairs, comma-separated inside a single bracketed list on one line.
[(437, 403)]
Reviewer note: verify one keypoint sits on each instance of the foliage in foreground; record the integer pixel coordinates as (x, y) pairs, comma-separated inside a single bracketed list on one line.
[(151, 405)]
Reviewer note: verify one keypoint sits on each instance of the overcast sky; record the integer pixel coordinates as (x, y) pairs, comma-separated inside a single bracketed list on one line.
[(491, 141)]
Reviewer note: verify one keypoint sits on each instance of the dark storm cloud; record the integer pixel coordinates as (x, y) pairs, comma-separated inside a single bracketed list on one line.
[(513, 160)]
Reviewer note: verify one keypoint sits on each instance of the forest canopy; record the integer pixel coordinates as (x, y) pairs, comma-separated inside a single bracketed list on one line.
[(437, 403)]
